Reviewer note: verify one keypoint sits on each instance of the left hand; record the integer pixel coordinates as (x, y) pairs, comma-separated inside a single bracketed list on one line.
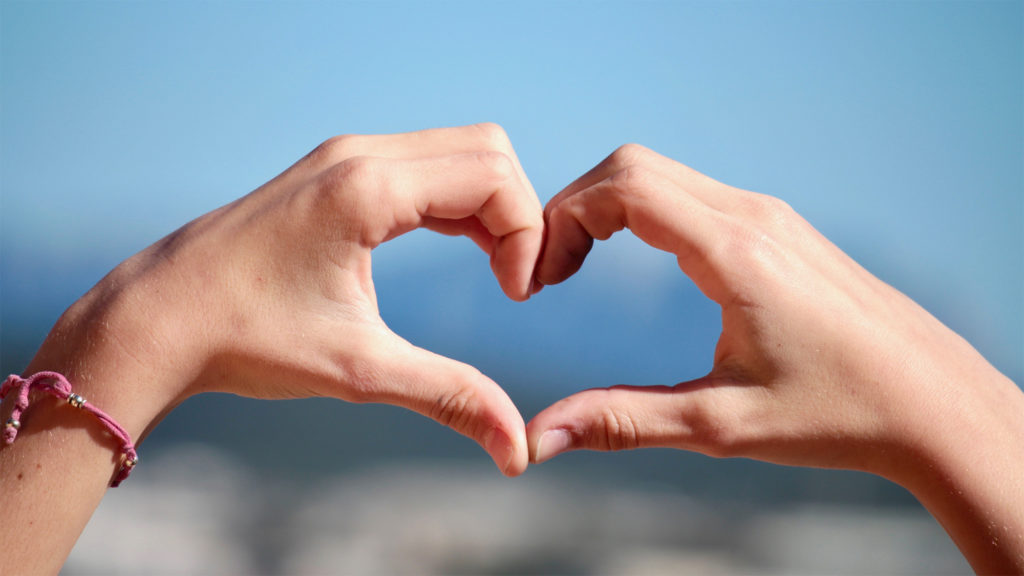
[(819, 363)]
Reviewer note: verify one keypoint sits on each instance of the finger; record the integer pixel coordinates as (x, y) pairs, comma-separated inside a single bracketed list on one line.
[(470, 227), (654, 208), (400, 195), (708, 190), (450, 141), (451, 393), (447, 141), (696, 416)]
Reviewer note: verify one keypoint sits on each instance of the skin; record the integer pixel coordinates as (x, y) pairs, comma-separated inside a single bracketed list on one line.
[(819, 363), (272, 297)]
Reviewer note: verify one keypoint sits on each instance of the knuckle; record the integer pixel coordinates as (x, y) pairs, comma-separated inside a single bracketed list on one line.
[(776, 212), (358, 173), (498, 164), (752, 249), (356, 170), (493, 135), (768, 212), (775, 205), (455, 409), (632, 180), (336, 148), (354, 194), (629, 154), (617, 429), (557, 216), (712, 430)]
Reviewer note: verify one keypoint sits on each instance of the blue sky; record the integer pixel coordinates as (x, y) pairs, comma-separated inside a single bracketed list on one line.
[(896, 128)]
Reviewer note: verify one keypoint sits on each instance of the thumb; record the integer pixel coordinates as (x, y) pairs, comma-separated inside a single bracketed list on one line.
[(454, 394), (692, 416)]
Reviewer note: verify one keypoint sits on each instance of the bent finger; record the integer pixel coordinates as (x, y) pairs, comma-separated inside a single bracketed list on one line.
[(635, 156), (470, 227), (444, 141), (652, 207), (430, 143), (400, 195)]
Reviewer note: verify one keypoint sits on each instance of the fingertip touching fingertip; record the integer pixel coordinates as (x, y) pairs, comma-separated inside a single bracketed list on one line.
[(518, 296), (499, 446), (518, 285)]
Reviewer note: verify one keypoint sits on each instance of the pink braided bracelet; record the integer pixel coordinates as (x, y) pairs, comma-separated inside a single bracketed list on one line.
[(57, 385)]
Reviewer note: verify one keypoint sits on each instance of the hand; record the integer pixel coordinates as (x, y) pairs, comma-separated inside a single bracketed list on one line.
[(819, 363), (272, 296)]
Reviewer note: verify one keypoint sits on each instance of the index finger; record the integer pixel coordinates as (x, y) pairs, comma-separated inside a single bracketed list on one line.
[(703, 187), (512, 216), (396, 196), (654, 208), (434, 142)]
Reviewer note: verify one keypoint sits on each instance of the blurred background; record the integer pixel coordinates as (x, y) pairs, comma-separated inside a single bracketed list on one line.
[(896, 128)]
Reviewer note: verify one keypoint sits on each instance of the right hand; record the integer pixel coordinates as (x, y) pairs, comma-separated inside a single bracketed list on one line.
[(272, 296)]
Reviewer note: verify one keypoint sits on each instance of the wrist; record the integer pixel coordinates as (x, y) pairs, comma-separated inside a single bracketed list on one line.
[(110, 345), (115, 348), (962, 463), (956, 414)]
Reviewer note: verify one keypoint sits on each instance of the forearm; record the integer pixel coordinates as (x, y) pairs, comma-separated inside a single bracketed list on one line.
[(970, 475), (58, 469)]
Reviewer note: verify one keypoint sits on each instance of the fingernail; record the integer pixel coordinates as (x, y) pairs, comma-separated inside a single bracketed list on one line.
[(499, 446), (551, 444)]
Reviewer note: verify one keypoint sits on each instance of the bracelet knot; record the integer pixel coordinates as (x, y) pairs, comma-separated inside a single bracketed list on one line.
[(58, 386)]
